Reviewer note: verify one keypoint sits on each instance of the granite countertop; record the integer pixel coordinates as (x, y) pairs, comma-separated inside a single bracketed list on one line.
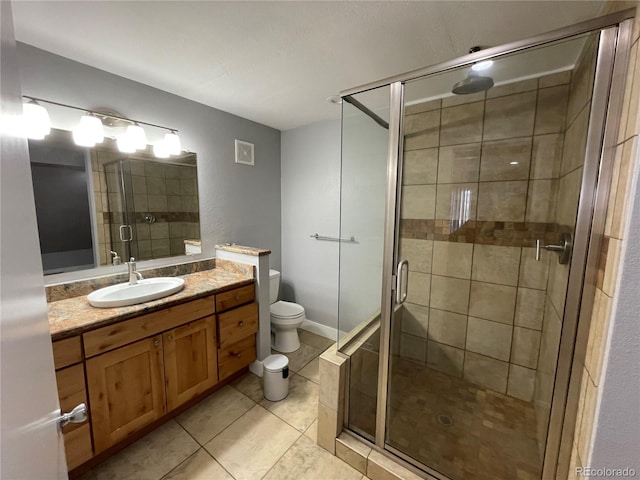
[(256, 252), (73, 316)]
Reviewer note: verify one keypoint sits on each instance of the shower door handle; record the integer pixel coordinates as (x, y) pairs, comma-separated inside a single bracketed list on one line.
[(563, 249), (130, 231), (402, 279)]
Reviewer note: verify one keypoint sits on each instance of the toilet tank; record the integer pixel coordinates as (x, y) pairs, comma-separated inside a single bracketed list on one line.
[(274, 285)]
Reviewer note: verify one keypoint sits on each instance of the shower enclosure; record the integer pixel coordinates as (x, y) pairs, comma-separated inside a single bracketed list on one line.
[(478, 217)]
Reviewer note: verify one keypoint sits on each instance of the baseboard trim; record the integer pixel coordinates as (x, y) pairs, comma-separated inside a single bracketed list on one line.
[(320, 329)]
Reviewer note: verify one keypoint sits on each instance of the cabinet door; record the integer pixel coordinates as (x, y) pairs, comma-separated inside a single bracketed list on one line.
[(191, 364), (126, 390)]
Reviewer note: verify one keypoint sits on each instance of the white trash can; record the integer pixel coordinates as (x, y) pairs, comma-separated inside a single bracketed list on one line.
[(276, 377)]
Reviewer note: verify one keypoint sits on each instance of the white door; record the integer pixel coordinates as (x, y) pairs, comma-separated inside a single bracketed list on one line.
[(30, 445)]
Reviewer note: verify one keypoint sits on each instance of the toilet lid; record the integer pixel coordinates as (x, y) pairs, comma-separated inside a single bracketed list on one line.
[(284, 309)]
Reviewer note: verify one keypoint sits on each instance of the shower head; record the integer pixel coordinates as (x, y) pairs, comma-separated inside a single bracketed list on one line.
[(474, 83)]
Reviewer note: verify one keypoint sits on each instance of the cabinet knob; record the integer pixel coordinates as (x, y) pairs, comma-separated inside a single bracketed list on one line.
[(237, 297), (156, 343), (170, 337), (234, 354), (241, 323)]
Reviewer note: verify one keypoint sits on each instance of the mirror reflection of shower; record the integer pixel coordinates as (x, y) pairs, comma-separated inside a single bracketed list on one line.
[(475, 81), (460, 208)]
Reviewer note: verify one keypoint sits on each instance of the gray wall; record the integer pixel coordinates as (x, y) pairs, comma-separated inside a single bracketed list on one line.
[(238, 203)]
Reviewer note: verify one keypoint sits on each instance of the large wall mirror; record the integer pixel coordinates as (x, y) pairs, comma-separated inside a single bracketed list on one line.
[(98, 207)]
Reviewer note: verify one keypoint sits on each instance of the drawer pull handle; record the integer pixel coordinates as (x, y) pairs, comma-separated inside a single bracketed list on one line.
[(156, 343), (241, 323), (234, 354)]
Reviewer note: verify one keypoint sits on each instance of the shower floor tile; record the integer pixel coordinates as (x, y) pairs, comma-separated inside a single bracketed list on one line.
[(459, 429)]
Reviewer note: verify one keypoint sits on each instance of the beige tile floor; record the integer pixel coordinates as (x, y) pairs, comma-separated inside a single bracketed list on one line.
[(236, 433)]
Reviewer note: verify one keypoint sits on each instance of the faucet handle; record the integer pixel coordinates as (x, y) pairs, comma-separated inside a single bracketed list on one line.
[(131, 260)]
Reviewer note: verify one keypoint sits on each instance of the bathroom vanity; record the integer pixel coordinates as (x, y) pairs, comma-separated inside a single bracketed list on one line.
[(139, 365)]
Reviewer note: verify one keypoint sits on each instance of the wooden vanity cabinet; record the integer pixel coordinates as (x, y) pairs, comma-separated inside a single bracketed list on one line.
[(126, 390), (70, 378), (138, 370), (190, 360)]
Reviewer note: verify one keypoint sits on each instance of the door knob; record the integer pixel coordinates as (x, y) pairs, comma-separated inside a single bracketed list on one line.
[(77, 415), (563, 249)]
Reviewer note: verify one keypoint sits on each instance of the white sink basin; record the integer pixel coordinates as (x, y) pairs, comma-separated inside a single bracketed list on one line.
[(146, 290)]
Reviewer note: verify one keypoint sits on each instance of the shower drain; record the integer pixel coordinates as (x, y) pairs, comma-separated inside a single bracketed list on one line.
[(445, 420)]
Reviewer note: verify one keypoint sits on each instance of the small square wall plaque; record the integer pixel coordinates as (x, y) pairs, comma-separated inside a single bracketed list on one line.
[(244, 153)]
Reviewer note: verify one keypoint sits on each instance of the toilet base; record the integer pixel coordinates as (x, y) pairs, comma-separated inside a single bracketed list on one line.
[(285, 341)]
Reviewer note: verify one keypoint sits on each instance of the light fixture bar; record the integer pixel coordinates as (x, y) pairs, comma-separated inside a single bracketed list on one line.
[(100, 113)]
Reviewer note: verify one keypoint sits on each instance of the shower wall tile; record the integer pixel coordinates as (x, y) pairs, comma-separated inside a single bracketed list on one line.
[(459, 163), (415, 320), (568, 196), (445, 359), (419, 288), (557, 288), (551, 110), (157, 203), (418, 253), (486, 372), (582, 81), (575, 142), (541, 201), (420, 167), (140, 203), (447, 328), (521, 382), (159, 230), (452, 259), (462, 124), (160, 247), (502, 201), (492, 302), (529, 308), (560, 78), (488, 338), (422, 130), (156, 186), (456, 201), (176, 246), (496, 264), (525, 347), (419, 201), (454, 100), (549, 341), (497, 158), (423, 107), (510, 116), (173, 186), (139, 184), (143, 231), (534, 274), (174, 203), (451, 294), (546, 156), (512, 88), (413, 348)]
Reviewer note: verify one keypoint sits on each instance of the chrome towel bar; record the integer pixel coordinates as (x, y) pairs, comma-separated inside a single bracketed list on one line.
[(351, 239)]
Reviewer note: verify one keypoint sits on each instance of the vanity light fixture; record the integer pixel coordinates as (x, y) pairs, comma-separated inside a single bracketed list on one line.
[(35, 124), (172, 143), (35, 120), (89, 132)]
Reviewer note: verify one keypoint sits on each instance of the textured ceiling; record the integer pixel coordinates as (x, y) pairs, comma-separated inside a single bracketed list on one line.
[(276, 62)]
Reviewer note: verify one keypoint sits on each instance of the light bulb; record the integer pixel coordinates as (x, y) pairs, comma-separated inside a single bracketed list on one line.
[(137, 136), (160, 149), (480, 66), (89, 132), (125, 145), (36, 122), (172, 141)]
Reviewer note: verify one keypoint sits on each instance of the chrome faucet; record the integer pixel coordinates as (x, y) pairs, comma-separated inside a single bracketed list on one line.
[(134, 275)]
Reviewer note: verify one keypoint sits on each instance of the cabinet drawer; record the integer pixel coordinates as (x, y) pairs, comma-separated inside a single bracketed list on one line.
[(236, 356), (67, 352), (71, 392), (77, 446), (237, 324), (233, 298), (128, 331)]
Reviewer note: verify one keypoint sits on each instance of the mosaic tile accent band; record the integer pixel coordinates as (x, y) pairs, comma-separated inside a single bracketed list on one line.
[(139, 217), (510, 234)]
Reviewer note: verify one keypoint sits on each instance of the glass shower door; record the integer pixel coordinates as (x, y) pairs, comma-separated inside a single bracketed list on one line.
[(486, 175), (365, 140)]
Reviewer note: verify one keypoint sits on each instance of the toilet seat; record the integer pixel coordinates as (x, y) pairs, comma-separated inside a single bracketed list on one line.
[(286, 310)]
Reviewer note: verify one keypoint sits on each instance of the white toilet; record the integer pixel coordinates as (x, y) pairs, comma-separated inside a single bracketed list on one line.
[(286, 317)]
